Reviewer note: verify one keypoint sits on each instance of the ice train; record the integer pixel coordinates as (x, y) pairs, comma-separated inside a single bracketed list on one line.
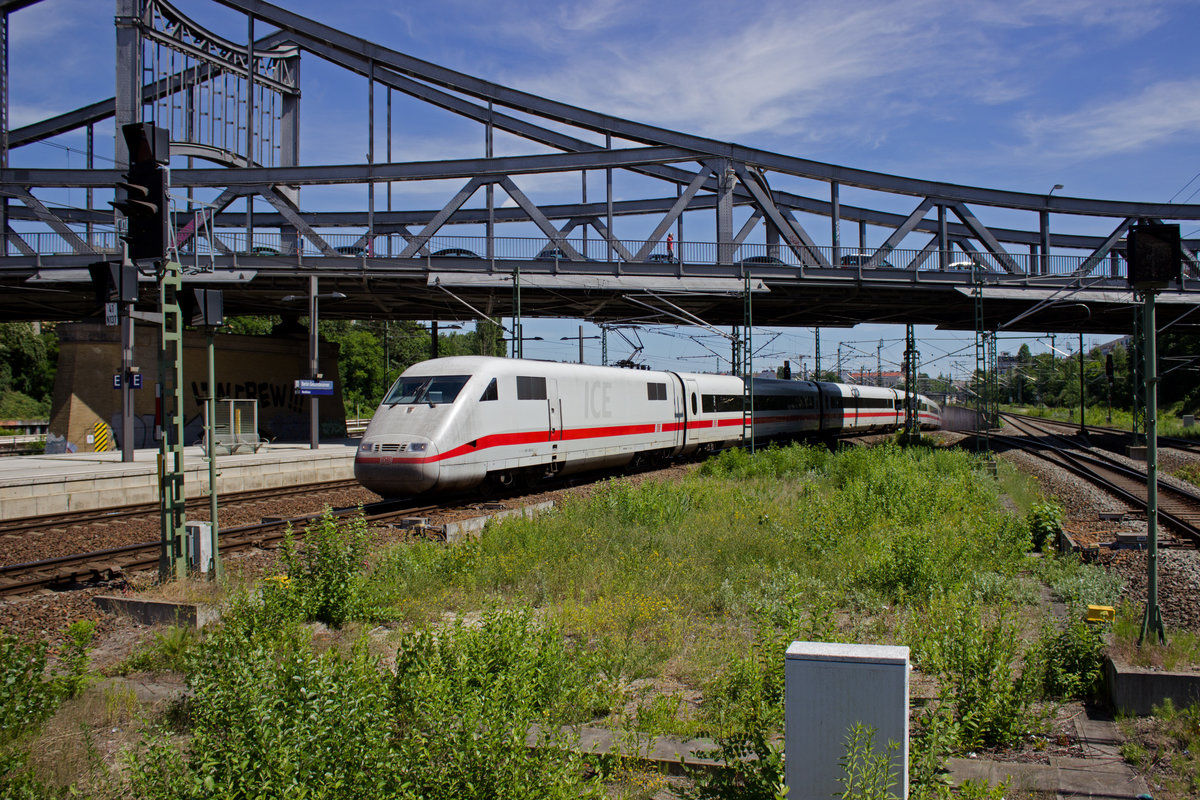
[(453, 423)]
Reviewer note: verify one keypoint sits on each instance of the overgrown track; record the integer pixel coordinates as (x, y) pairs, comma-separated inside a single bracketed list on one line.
[(1106, 437), (107, 564), (1179, 508), (67, 519)]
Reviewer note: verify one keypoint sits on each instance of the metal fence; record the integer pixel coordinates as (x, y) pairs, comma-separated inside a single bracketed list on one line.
[(761, 257)]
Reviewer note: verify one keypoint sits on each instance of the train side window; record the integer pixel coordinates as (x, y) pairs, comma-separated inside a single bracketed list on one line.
[(656, 391), (531, 387), (695, 408), (492, 392)]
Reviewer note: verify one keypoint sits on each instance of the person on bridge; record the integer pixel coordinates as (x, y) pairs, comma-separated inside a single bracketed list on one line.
[(671, 246)]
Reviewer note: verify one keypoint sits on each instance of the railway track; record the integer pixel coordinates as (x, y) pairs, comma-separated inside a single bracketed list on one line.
[(107, 564), (1178, 508), (1105, 436), (42, 522)]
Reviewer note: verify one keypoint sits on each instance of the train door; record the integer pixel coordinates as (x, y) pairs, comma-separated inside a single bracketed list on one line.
[(691, 406), (854, 393), (679, 412), (554, 421)]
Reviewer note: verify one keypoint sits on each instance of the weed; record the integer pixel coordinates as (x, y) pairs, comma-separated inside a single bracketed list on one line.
[(1078, 584), (867, 774), (1045, 523), (72, 674), (27, 698), (120, 705), (325, 577), (168, 651), (753, 770), (974, 659), (1070, 661)]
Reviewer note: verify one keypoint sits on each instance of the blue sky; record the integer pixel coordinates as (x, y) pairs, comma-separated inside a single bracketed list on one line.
[(1098, 95)]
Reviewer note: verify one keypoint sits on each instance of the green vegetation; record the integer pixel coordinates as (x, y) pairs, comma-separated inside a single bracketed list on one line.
[(27, 358), (1045, 523), (29, 694), (1049, 384), (1166, 747), (659, 608)]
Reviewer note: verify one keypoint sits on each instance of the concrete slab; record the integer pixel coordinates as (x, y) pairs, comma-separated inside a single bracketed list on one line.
[(34, 485), (159, 612), (1066, 777), (465, 529)]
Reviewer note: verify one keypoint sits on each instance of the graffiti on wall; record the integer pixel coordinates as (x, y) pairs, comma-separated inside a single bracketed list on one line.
[(268, 394)]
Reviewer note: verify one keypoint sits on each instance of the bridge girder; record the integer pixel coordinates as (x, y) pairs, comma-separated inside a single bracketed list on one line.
[(706, 176)]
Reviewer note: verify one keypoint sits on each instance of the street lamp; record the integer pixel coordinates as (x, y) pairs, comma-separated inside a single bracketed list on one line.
[(314, 427), (580, 337)]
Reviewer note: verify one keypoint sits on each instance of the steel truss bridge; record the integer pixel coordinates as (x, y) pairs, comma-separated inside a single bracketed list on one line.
[(780, 231)]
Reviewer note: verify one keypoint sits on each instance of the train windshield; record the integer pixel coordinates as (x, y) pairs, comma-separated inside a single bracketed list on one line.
[(426, 389)]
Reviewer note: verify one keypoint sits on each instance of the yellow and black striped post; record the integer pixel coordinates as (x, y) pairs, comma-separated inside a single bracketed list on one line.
[(102, 438)]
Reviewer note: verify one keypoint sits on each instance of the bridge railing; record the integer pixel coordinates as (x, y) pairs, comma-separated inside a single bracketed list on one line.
[(682, 255)]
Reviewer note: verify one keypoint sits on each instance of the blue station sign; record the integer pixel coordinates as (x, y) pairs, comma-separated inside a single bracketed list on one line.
[(311, 387)]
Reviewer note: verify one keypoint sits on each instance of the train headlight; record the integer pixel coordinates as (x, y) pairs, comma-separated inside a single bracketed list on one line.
[(417, 447), (366, 447)]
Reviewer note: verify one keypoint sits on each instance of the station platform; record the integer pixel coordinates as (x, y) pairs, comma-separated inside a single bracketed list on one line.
[(41, 484)]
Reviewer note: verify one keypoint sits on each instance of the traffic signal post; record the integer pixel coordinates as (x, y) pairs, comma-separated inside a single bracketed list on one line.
[(1155, 259), (143, 201)]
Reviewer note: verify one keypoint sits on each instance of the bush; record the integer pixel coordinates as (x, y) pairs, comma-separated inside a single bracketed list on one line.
[(268, 717), (326, 576), (1045, 523), (27, 698), (1070, 662), (974, 662), (72, 677)]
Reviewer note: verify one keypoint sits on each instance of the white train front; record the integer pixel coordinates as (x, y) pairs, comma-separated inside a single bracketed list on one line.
[(452, 423)]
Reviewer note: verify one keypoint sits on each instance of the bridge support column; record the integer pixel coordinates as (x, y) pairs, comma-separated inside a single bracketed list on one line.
[(835, 224), (726, 181), (128, 105)]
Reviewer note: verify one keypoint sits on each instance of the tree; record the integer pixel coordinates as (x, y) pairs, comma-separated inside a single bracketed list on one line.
[(27, 364)]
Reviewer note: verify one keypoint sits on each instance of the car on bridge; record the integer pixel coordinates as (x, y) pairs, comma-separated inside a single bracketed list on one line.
[(661, 258), (761, 261), (555, 254), (455, 252), (863, 261)]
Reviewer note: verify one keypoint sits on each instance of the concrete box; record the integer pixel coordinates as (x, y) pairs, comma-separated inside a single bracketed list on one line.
[(828, 688)]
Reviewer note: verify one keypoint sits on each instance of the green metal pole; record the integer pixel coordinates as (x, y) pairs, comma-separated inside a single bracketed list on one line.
[(1153, 619), (214, 570), (1082, 400), (518, 350), (817, 353), (172, 562)]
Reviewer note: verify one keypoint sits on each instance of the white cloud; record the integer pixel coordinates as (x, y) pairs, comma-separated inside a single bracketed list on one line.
[(812, 71), (1162, 112)]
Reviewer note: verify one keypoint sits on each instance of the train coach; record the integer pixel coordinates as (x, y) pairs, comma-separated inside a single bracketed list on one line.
[(453, 423)]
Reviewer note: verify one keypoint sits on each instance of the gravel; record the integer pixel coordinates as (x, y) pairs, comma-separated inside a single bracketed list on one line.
[(1178, 568)]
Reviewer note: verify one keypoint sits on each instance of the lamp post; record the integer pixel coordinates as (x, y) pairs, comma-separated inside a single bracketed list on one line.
[(580, 337), (1044, 224), (518, 340), (314, 423)]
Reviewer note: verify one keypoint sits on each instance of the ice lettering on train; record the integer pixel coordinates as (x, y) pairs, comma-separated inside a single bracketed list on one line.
[(599, 400)]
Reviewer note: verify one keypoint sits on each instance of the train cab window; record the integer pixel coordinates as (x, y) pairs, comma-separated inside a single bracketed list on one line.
[(432, 389), (656, 391), (492, 392), (531, 387)]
